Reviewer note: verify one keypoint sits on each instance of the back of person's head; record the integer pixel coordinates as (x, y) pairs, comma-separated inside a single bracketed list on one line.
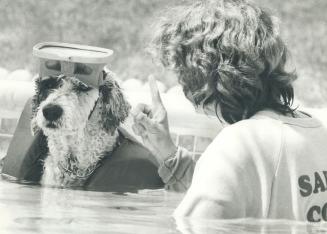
[(229, 53)]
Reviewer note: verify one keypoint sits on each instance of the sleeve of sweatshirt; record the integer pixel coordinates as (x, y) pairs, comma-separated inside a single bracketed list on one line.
[(177, 171), (233, 178)]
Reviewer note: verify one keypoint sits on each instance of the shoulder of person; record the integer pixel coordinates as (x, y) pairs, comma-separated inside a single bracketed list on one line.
[(257, 139)]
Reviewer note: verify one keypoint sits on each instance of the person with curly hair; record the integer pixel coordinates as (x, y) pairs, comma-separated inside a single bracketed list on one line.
[(269, 161)]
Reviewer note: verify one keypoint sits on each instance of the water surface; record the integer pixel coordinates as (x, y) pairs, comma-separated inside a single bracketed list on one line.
[(26, 208)]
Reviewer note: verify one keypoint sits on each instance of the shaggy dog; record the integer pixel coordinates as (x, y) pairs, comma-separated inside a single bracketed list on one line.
[(80, 123)]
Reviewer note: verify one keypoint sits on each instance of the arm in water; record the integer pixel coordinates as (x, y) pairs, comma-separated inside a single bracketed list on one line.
[(151, 123)]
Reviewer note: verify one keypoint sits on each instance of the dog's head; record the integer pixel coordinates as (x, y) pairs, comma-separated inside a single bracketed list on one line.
[(65, 104)]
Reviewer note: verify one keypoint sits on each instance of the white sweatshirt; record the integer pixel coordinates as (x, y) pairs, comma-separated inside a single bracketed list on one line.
[(269, 166)]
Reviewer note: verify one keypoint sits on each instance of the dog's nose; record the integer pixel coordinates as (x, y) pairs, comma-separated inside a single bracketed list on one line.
[(52, 112)]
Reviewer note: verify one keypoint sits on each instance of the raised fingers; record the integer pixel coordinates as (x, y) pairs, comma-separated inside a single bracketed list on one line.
[(155, 94), (142, 108), (143, 120)]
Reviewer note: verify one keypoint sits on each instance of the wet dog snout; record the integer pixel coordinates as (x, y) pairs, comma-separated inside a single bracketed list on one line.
[(52, 112)]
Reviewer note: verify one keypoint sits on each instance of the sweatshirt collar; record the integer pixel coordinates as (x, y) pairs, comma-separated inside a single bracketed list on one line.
[(308, 121)]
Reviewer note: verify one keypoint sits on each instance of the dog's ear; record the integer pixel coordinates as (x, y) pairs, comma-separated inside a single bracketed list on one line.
[(36, 100), (114, 107)]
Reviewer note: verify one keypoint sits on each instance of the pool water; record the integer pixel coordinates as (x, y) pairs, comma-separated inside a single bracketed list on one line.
[(26, 208)]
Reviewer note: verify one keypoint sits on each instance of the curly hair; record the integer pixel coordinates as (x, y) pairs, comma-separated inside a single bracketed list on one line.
[(229, 53)]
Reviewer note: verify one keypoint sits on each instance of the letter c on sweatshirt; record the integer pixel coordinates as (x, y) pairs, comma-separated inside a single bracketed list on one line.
[(311, 215)]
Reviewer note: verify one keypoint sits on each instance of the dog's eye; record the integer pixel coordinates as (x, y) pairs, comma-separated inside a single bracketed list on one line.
[(80, 86), (50, 83)]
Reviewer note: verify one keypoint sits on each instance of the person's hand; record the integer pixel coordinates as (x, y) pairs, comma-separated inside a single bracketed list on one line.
[(151, 123)]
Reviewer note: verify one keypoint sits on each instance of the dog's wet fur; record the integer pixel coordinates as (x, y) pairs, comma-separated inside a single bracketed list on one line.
[(80, 123)]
